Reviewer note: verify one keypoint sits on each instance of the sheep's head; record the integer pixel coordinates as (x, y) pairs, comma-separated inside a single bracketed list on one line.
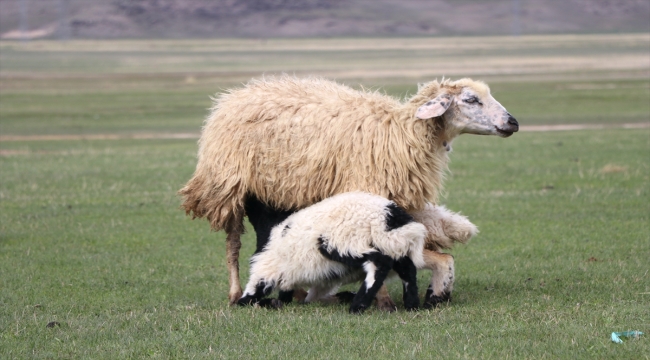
[(466, 107)]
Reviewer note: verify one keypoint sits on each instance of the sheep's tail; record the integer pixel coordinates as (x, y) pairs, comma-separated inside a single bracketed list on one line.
[(224, 209)]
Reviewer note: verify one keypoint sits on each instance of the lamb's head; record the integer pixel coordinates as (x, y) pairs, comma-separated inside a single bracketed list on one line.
[(466, 107)]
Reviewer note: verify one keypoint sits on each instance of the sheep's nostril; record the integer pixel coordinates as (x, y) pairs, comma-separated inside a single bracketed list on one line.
[(513, 122)]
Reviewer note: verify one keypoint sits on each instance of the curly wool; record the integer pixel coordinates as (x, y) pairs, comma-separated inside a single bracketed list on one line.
[(352, 224)]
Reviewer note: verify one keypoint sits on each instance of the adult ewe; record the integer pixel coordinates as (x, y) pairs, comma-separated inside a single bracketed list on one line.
[(339, 240), (293, 142)]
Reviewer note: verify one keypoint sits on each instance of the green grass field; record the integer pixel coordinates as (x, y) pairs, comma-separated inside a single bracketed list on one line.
[(91, 236)]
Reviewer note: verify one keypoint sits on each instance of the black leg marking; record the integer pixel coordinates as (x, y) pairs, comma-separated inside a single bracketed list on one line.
[(396, 217), (261, 290), (345, 297), (353, 262), (383, 264), (432, 301), (286, 296), (407, 271)]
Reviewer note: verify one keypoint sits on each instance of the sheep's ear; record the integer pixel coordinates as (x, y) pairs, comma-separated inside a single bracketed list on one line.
[(434, 108)]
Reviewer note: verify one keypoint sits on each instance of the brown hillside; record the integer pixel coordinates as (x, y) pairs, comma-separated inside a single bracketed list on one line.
[(320, 18)]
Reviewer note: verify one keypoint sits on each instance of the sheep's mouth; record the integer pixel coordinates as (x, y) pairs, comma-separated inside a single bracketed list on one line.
[(504, 133)]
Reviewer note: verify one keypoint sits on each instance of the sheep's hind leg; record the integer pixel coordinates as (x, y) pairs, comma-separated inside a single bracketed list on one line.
[(377, 266), (384, 302), (442, 279), (407, 271), (233, 244)]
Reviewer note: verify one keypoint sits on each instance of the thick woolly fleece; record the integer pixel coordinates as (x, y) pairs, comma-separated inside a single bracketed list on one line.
[(444, 227), (293, 142), (328, 243)]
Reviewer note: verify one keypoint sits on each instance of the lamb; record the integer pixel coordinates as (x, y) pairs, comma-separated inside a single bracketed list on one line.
[(444, 228), (336, 241), (293, 142)]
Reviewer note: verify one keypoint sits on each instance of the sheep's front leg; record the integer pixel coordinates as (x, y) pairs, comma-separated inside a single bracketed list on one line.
[(442, 279), (376, 266), (407, 271)]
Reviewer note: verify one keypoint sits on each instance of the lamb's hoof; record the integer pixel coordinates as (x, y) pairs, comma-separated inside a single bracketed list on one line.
[(345, 297), (233, 298), (412, 305), (270, 304), (357, 309), (432, 301), (276, 304), (386, 304), (286, 296)]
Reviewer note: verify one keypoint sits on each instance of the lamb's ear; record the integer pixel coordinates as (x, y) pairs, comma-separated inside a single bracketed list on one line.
[(434, 108)]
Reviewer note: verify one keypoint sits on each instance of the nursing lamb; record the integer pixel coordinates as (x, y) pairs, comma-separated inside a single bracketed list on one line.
[(342, 239)]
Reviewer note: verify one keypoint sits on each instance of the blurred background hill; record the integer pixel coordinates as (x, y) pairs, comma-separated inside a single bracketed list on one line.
[(106, 19)]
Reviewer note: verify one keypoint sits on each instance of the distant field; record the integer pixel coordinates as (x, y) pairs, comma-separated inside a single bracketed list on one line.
[(91, 236), (82, 87)]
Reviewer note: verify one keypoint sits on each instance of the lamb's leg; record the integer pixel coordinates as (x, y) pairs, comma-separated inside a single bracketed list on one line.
[(442, 279), (377, 266), (407, 271), (321, 293), (233, 244), (255, 291), (285, 296)]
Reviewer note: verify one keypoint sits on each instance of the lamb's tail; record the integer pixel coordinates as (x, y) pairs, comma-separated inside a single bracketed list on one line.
[(444, 227)]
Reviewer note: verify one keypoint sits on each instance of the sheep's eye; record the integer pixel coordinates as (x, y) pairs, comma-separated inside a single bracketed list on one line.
[(472, 100)]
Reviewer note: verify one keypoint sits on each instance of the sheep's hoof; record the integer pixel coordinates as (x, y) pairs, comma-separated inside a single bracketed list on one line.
[(386, 304), (432, 301), (234, 298), (345, 297), (300, 295)]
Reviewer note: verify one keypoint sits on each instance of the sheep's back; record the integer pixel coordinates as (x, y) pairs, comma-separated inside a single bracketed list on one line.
[(299, 141)]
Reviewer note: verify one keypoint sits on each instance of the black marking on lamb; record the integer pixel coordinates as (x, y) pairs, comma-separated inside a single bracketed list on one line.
[(432, 301), (285, 296), (407, 271), (263, 218), (285, 230), (262, 289), (396, 217), (363, 299), (334, 255), (345, 297)]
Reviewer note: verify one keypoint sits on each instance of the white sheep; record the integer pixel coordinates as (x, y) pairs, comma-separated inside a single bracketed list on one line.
[(345, 238), (293, 142)]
